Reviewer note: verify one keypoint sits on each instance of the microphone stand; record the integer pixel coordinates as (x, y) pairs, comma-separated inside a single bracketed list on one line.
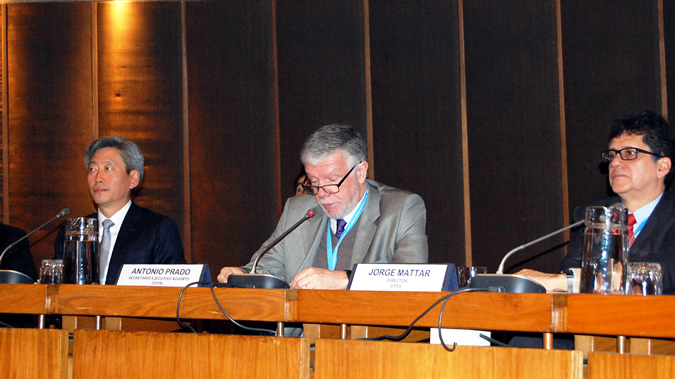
[(16, 277), (500, 270), (514, 283), (254, 280)]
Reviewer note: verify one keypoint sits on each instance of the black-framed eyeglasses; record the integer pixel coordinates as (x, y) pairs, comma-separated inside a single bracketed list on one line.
[(627, 154), (328, 188)]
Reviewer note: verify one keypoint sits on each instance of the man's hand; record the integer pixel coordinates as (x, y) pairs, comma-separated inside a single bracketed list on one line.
[(319, 278), (552, 282), (227, 271)]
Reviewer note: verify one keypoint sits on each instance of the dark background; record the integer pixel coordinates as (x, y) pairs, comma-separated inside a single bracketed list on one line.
[(494, 111)]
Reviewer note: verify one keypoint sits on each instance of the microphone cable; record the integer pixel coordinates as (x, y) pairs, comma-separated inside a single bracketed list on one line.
[(443, 299), (180, 298), (215, 298)]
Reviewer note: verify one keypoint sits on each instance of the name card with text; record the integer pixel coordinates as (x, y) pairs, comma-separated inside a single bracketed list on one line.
[(163, 275), (403, 277)]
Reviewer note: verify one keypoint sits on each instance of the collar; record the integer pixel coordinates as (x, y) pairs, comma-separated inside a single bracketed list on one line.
[(643, 213), (117, 218)]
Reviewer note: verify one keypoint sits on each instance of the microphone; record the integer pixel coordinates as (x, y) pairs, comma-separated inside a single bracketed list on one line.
[(15, 277), (500, 270), (253, 280), (515, 283)]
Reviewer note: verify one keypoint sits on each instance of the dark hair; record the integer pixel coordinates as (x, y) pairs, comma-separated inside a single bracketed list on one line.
[(129, 151), (297, 178), (330, 138), (655, 133)]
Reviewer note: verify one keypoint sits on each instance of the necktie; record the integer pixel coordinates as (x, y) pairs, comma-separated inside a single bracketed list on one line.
[(104, 250), (340, 227), (631, 223)]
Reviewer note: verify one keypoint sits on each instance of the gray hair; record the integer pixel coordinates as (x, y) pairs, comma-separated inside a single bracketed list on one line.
[(330, 138), (131, 154)]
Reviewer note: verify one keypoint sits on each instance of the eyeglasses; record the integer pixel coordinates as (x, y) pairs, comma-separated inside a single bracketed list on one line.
[(627, 154), (328, 188)]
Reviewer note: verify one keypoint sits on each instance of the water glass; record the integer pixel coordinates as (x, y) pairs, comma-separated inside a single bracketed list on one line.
[(464, 274), (643, 278), (51, 271)]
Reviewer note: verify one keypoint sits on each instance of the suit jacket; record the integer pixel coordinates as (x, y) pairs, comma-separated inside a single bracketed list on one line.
[(391, 230), (655, 243), (19, 257), (145, 237)]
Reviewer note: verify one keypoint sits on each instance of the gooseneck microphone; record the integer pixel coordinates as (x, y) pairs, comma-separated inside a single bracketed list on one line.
[(515, 283), (500, 270), (11, 276), (254, 280)]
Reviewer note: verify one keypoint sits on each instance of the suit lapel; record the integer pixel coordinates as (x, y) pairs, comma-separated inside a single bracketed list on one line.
[(313, 234), (654, 222), (367, 225), (127, 235)]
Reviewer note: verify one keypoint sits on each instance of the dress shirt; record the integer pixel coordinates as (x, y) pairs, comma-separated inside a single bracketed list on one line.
[(118, 219)]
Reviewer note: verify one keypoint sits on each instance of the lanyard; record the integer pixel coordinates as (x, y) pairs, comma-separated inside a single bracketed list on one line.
[(331, 253)]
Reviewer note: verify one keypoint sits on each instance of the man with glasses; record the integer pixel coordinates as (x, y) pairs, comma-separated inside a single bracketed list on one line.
[(357, 221), (640, 158)]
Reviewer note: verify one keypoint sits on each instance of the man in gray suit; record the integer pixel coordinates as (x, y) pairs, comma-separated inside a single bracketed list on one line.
[(358, 221)]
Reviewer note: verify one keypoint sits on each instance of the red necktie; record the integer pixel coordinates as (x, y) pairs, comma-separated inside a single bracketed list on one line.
[(631, 223)]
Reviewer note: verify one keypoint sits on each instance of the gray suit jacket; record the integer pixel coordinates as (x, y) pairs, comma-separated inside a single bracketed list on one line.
[(391, 230)]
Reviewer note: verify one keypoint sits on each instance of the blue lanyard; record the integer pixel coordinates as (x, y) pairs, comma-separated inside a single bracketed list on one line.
[(331, 253)]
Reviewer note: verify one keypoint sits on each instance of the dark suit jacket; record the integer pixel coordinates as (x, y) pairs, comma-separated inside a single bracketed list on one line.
[(392, 229), (19, 257), (655, 243), (145, 237)]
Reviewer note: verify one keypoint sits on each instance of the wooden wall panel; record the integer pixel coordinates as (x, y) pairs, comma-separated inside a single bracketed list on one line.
[(140, 93), (33, 353), (669, 42), (417, 134), (374, 359), (182, 355), (233, 136), (514, 130), (3, 114), (263, 75), (611, 69), (49, 114), (321, 61)]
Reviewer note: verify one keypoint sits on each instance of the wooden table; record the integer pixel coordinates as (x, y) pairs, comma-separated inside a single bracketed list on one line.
[(491, 311), (609, 315), (639, 316)]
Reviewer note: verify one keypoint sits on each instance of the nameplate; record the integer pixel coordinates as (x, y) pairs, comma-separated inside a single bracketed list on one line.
[(403, 277), (163, 275)]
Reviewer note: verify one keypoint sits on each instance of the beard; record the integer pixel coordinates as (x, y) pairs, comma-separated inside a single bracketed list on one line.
[(348, 205)]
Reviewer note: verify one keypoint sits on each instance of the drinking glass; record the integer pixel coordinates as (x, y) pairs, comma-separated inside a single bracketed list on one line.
[(51, 271), (464, 274), (644, 278)]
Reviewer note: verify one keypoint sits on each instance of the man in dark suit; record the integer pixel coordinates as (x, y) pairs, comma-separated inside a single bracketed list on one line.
[(640, 157), (19, 257), (358, 220), (137, 235)]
